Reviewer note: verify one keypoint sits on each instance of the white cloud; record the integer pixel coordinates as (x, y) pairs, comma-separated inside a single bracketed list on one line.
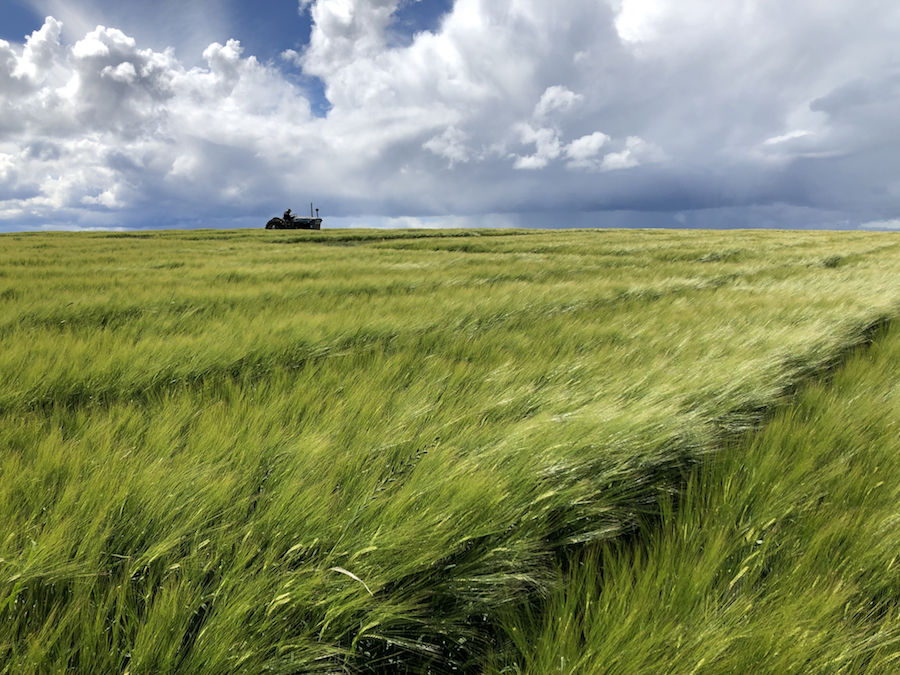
[(107, 198), (774, 140), (292, 56), (619, 160), (52, 227), (547, 147), (108, 121), (637, 151), (583, 151), (42, 48), (637, 20), (124, 72), (556, 98), (450, 145)]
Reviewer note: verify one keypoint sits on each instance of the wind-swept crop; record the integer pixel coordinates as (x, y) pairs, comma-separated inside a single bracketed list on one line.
[(271, 452)]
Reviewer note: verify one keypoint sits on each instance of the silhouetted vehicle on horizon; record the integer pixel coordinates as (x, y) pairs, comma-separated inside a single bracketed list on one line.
[(294, 223), (291, 222)]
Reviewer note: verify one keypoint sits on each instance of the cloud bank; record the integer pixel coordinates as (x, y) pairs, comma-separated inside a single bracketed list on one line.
[(621, 112)]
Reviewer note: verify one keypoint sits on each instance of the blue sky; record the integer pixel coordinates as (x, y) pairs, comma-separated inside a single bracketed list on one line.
[(402, 113), (19, 20)]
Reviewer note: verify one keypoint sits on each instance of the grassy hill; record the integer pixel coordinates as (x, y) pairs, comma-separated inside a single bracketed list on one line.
[(288, 452)]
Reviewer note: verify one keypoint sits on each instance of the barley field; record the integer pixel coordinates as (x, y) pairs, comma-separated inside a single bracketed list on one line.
[(448, 451)]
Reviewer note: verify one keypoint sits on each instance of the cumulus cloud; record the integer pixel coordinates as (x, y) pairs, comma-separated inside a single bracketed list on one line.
[(546, 144), (556, 98), (41, 50), (583, 151), (450, 145), (669, 105), (104, 124), (637, 151)]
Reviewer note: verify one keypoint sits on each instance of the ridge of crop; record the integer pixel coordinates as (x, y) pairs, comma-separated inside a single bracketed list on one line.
[(777, 556)]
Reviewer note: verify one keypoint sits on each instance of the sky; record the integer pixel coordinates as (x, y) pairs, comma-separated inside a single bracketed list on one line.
[(450, 113)]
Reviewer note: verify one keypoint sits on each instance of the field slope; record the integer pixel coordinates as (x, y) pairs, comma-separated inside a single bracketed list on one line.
[(780, 556), (249, 452)]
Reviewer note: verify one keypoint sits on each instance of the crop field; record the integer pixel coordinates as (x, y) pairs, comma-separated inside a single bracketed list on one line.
[(449, 451)]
